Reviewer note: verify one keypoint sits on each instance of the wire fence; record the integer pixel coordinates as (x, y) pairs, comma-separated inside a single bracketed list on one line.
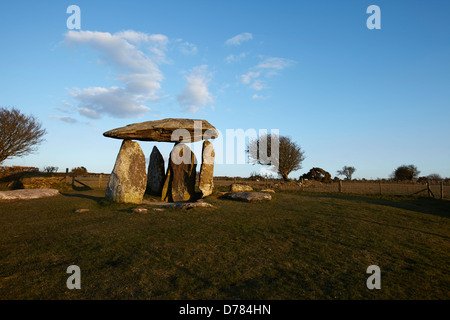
[(436, 190)]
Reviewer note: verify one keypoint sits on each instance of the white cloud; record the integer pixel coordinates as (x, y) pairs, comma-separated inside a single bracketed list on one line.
[(123, 54), (114, 101), (196, 94), (139, 72), (237, 40), (133, 36), (158, 46)]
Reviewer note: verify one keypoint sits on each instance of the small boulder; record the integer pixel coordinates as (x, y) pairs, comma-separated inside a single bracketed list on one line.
[(191, 205), (26, 194), (140, 210), (249, 196), (81, 210), (240, 188)]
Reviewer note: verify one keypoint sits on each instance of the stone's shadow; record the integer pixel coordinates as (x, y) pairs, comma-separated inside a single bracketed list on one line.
[(224, 197), (83, 196), (83, 188)]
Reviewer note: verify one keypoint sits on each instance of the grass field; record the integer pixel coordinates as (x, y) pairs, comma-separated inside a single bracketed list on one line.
[(298, 246)]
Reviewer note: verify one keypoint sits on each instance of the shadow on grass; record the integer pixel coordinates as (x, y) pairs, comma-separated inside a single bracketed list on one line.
[(431, 206), (435, 207)]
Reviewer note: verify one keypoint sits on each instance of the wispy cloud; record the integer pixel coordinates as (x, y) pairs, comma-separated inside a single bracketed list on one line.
[(258, 85), (235, 57), (196, 94), (275, 63), (187, 47), (259, 97), (238, 39), (247, 78), (65, 119), (266, 68)]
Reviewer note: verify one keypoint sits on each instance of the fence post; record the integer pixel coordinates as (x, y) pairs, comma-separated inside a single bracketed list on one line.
[(340, 185), (428, 189), (442, 190), (73, 178), (67, 175), (100, 181)]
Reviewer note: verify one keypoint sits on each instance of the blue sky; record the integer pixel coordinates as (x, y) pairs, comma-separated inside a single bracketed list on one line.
[(372, 99)]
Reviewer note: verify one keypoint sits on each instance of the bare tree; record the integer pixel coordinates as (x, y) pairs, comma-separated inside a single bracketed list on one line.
[(434, 176), (347, 172), (288, 158), (50, 169), (19, 134)]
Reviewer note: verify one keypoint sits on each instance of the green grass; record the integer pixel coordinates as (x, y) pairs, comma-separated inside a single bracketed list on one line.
[(298, 246)]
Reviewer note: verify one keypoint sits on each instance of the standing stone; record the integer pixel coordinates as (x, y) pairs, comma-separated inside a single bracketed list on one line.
[(206, 185), (180, 178), (128, 179), (155, 175)]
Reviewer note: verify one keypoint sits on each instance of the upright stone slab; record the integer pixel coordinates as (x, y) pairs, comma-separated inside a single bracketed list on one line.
[(155, 174), (128, 179), (180, 178), (206, 184)]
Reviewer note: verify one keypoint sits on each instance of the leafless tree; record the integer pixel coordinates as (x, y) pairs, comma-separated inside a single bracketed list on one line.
[(347, 172), (19, 134), (289, 157), (435, 176), (50, 169)]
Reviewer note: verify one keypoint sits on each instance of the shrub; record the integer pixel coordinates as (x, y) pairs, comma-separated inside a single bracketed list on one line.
[(318, 174), (79, 170)]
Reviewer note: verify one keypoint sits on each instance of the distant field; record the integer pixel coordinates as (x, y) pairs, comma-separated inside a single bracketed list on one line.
[(353, 187), (97, 181), (298, 246)]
